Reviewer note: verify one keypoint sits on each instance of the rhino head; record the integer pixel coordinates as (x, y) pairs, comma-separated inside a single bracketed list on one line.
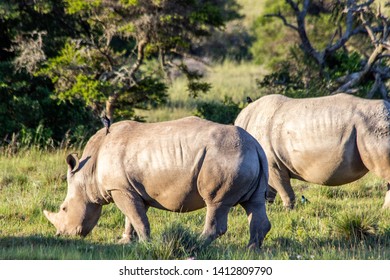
[(77, 214)]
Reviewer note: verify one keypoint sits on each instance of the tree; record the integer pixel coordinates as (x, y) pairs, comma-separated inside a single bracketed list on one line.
[(28, 114), (110, 59), (341, 64)]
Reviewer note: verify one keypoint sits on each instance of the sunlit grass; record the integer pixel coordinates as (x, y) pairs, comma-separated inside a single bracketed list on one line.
[(251, 9), (318, 229)]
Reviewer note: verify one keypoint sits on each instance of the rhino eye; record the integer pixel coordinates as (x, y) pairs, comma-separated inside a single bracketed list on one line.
[(63, 208)]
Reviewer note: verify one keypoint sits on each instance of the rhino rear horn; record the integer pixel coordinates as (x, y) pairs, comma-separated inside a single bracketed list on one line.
[(73, 162)]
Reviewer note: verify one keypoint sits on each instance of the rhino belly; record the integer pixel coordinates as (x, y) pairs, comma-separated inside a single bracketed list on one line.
[(171, 190), (321, 173), (333, 161), (328, 168)]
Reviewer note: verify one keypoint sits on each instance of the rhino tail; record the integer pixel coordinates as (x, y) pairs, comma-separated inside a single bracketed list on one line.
[(259, 224), (263, 174), (260, 185)]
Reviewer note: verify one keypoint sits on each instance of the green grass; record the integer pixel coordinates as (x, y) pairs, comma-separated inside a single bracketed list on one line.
[(320, 229), (251, 10)]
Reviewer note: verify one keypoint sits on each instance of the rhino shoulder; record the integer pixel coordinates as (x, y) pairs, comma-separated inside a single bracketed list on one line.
[(260, 112)]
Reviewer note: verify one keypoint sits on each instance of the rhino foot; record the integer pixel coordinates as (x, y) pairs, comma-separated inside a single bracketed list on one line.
[(386, 205), (289, 206), (126, 239), (254, 247)]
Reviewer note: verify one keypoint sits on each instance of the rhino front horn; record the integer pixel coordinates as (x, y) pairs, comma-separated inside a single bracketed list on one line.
[(52, 218)]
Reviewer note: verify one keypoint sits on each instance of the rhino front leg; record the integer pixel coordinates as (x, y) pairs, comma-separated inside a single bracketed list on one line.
[(216, 221), (129, 232), (134, 209)]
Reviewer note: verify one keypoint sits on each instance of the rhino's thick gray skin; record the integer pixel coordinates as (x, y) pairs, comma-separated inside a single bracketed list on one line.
[(329, 140), (179, 166)]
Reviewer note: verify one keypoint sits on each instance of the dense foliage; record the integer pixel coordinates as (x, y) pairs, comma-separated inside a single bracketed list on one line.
[(28, 113), (71, 61), (65, 63)]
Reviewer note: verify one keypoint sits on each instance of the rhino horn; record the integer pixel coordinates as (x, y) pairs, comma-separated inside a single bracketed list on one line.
[(52, 217)]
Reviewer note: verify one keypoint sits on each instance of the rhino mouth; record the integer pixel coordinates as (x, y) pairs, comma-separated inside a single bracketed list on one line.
[(55, 220), (79, 230)]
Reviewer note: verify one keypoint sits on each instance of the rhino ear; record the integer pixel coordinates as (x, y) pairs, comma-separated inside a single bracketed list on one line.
[(73, 162)]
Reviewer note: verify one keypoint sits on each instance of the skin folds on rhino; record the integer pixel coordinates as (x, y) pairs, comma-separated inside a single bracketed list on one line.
[(179, 166), (329, 140)]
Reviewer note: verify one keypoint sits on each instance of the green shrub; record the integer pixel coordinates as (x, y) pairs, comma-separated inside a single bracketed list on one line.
[(355, 226), (176, 242), (221, 112)]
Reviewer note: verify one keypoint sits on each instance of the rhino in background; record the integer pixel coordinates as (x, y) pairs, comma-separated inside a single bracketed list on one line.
[(330, 140), (179, 166)]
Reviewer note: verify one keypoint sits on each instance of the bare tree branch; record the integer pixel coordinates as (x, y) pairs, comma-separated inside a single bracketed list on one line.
[(377, 84), (293, 5), (359, 77), (351, 9), (368, 28), (381, 45), (284, 20), (306, 44), (378, 31), (300, 28)]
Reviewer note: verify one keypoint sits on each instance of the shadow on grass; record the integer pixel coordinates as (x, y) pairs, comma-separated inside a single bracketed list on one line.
[(376, 246), (177, 242), (43, 248)]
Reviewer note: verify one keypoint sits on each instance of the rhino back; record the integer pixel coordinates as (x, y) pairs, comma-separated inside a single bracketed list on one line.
[(162, 161), (317, 138)]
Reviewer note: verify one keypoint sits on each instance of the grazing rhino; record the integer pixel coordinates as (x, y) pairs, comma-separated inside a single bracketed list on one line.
[(179, 166), (330, 140)]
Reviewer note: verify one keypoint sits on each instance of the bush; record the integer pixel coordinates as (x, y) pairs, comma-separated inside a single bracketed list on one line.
[(221, 112), (177, 243), (356, 226)]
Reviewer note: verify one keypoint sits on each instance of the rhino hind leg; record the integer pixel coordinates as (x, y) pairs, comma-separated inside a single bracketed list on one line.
[(216, 221), (271, 194), (259, 224), (135, 211)]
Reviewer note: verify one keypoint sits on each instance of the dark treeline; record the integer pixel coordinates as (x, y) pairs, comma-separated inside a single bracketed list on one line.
[(65, 63)]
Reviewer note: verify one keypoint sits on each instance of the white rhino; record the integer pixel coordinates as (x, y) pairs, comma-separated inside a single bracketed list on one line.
[(179, 166), (329, 140)]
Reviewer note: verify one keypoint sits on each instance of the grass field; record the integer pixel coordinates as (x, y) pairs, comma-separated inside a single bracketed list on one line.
[(344, 222)]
